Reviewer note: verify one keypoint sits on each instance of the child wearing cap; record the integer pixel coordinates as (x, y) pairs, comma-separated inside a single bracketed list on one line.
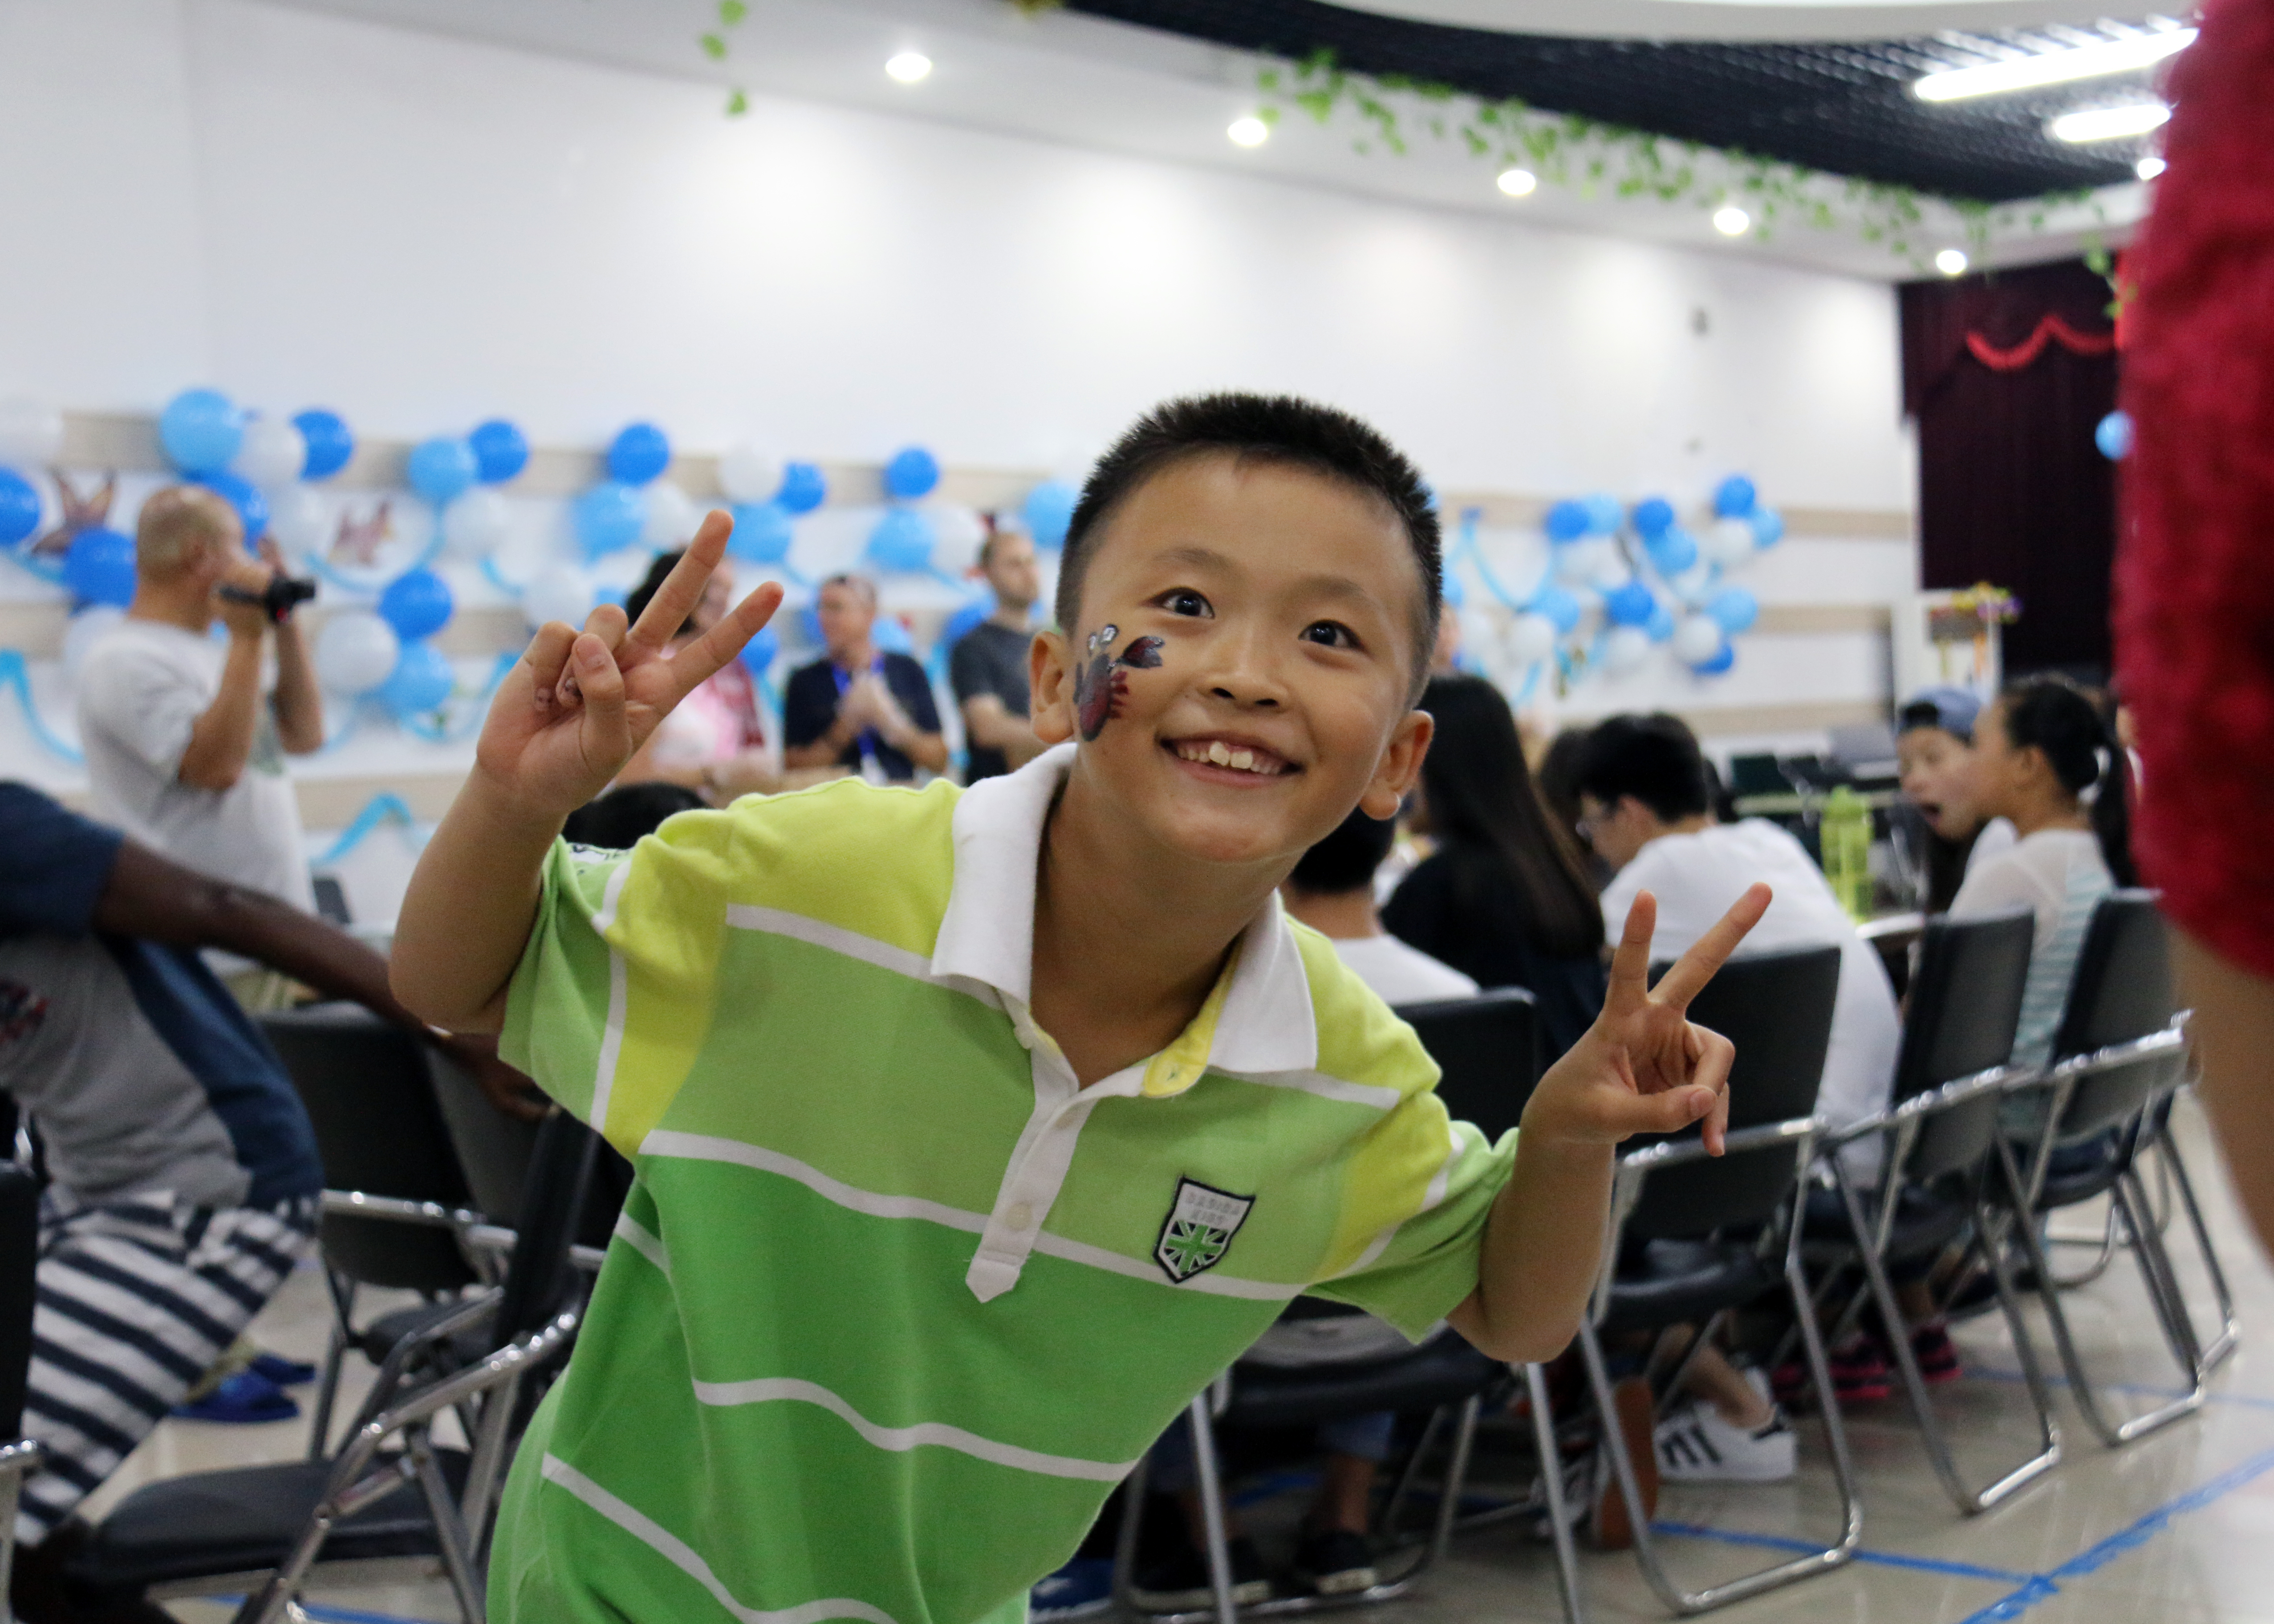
[(977, 1130), (1934, 744)]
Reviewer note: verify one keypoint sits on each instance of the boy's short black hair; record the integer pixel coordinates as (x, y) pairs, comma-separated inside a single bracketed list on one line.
[(1270, 428), (615, 822), (1654, 758), (1345, 860)]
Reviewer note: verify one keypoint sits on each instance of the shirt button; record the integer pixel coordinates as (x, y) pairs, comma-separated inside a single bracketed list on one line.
[(1020, 1216)]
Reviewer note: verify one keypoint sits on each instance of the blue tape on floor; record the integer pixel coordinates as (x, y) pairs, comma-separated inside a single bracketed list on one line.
[(1884, 1559), (322, 1615), (2248, 1400)]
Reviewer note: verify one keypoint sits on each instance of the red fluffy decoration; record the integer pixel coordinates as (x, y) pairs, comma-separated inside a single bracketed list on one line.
[(2195, 575)]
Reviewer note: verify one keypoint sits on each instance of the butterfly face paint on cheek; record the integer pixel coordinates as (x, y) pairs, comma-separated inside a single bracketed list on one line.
[(1101, 684)]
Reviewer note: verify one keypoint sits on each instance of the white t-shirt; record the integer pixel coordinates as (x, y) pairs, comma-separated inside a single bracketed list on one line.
[(141, 689), (2060, 875), (1399, 974), (1995, 839), (1696, 877)]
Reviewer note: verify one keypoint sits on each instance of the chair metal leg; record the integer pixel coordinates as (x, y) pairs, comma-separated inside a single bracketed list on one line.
[(17, 1461), (2155, 1272), (1219, 1545), (1551, 1485), (449, 1532), (1125, 1543), (2217, 1352), (1456, 1477), (2093, 1271)]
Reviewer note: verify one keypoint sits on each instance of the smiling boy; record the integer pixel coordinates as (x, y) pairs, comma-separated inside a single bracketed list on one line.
[(977, 1130)]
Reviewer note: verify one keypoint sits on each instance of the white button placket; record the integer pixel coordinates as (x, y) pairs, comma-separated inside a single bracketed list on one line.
[(1039, 1162)]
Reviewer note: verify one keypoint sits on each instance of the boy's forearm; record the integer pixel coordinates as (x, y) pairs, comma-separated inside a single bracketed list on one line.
[(1543, 1244), (467, 914)]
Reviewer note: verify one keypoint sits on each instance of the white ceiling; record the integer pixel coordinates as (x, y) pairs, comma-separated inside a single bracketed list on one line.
[(1084, 81), (1737, 19)]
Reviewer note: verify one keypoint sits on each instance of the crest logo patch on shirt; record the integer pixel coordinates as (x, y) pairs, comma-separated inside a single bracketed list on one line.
[(1198, 1229)]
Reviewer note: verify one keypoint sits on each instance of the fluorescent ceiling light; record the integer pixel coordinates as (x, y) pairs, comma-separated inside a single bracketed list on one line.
[(908, 66), (1951, 262), (2057, 67), (1731, 221), (2149, 167), (2109, 123), (1518, 183), (1248, 131)]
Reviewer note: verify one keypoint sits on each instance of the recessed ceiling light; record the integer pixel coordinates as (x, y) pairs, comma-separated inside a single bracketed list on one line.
[(1248, 131), (1951, 262), (2109, 123), (1518, 183), (2053, 67), (2149, 167), (1731, 221), (909, 66)]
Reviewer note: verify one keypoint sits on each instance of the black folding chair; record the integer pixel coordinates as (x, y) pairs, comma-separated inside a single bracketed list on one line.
[(20, 1253), (268, 1529), (1713, 1233), (1940, 1140), (2118, 1057)]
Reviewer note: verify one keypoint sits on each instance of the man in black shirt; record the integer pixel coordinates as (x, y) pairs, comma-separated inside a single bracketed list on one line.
[(988, 666), (857, 707)]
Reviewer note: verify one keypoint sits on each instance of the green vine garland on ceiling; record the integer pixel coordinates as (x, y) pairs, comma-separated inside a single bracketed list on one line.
[(1567, 149)]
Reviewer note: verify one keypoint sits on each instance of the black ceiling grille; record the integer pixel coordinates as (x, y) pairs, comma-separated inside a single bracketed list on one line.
[(1845, 108)]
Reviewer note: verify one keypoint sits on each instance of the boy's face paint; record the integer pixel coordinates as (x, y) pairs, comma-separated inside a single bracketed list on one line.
[(1101, 683)]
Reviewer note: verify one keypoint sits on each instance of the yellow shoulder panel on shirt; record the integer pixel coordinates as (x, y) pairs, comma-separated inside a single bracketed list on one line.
[(875, 860), (1361, 1040)]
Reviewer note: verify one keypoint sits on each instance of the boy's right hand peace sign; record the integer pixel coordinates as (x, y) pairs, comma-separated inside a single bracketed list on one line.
[(1643, 1067), (576, 705)]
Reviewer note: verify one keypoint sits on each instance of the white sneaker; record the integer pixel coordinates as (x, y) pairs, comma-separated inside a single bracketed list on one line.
[(1696, 1444)]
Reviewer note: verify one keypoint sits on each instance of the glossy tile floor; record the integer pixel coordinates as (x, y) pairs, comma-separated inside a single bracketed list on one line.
[(2177, 1528)]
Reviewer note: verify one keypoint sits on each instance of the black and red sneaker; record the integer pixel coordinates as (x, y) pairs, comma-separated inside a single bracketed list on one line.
[(1937, 1356)]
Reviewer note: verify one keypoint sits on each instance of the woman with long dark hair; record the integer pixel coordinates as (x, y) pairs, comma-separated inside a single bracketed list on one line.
[(2048, 760), (1503, 898)]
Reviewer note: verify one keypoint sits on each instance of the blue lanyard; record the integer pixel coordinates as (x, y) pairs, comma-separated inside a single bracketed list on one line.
[(868, 740)]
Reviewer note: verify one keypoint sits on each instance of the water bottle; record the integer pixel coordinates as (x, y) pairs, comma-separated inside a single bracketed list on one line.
[(1845, 835)]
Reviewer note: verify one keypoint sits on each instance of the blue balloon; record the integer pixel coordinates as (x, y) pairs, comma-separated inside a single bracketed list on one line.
[(500, 451), (1719, 662), (762, 533), (201, 430), (421, 680), (1768, 526), (243, 495), (1558, 605), (1567, 521), (2113, 435), (911, 473), (1661, 625), (1603, 514), (809, 626), (1735, 607), (1429, 496), (417, 604), (639, 453), (1049, 512), (759, 652), (1653, 516), (609, 517), (1451, 592), (1733, 497), (891, 635), (963, 619), (330, 445), (442, 467), (1629, 605), (902, 540), (19, 507), (804, 488), (1673, 552), (100, 567)]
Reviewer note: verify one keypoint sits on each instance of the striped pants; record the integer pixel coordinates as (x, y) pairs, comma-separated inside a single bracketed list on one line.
[(136, 1299)]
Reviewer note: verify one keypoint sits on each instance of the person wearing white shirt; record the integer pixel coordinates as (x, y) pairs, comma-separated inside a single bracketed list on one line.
[(1332, 891)]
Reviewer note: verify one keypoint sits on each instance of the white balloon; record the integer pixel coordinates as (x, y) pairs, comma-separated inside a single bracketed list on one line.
[(355, 652), (1577, 561), (1726, 542), (272, 452), (300, 519), (87, 625), (1694, 584), (1624, 649), (1611, 572), (673, 518), (475, 522), (1531, 639), (957, 532), (1696, 638), (559, 593), (748, 474), (31, 434)]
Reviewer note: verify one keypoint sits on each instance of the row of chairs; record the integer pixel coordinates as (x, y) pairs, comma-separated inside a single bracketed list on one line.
[(1694, 1240)]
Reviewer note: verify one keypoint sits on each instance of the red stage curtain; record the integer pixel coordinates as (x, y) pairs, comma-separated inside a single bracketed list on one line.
[(2006, 375)]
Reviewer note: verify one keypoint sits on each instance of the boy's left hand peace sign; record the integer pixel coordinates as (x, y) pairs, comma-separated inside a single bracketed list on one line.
[(1643, 1067)]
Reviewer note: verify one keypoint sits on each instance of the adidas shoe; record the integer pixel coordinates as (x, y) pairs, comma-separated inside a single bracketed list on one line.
[(1697, 1444)]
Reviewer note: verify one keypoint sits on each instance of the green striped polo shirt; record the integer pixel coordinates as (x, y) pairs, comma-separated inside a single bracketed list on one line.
[(894, 1303)]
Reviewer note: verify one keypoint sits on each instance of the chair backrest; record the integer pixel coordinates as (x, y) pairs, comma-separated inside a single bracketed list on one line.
[(1776, 1008), (1487, 1052), (1965, 1005), (538, 1279), (19, 1256), (2121, 991), (379, 1131), (493, 1148)]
